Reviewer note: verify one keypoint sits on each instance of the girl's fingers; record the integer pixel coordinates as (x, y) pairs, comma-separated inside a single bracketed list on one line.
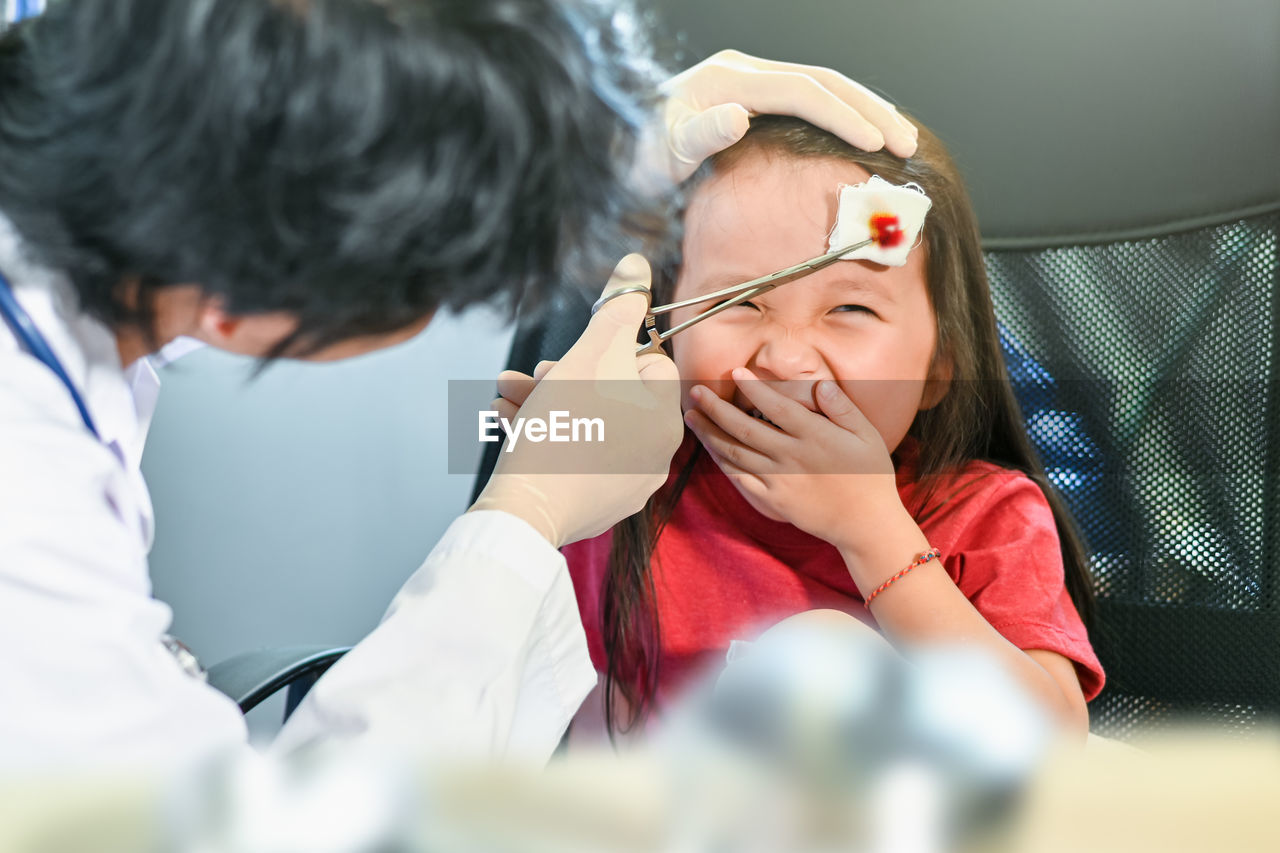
[(541, 368), (840, 408), (788, 415), (737, 424), (749, 481), (725, 447)]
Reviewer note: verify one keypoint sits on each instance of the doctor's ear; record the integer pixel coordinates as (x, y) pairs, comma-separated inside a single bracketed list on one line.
[(260, 335), (212, 320), (245, 334)]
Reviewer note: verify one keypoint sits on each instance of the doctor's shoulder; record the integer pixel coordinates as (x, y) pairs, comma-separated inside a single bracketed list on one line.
[(50, 465)]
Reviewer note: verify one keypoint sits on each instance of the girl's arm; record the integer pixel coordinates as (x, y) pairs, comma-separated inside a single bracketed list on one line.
[(788, 469), (926, 607)]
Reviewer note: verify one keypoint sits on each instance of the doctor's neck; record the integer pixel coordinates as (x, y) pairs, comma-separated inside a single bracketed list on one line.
[(186, 310), (173, 311), (133, 345)]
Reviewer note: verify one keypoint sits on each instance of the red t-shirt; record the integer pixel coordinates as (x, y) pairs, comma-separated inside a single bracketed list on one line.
[(722, 571)]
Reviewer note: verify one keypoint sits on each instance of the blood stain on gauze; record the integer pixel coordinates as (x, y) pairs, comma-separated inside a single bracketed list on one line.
[(868, 211)]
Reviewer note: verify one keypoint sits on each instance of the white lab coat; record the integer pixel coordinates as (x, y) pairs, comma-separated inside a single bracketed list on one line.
[(481, 653)]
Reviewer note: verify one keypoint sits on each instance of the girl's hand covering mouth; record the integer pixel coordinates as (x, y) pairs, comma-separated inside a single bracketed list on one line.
[(819, 470)]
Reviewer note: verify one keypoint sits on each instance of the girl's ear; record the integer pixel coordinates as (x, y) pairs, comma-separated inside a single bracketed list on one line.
[(938, 381)]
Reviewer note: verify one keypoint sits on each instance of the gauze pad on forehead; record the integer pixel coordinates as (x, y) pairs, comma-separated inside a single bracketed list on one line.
[(864, 208)]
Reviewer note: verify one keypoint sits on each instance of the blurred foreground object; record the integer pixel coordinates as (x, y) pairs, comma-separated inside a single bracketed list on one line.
[(816, 737), (918, 753), (1192, 790)]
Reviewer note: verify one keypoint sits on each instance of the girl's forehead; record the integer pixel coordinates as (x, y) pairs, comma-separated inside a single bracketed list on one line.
[(768, 212), (767, 208)]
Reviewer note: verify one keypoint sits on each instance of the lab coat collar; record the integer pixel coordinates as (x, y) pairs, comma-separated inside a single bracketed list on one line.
[(85, 346), (121, 401)]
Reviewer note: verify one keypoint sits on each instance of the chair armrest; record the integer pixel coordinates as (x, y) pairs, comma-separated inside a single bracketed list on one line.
[(251, 677)]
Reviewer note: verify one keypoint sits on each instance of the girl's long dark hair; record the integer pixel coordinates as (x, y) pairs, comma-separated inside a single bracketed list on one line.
[(977, 419)]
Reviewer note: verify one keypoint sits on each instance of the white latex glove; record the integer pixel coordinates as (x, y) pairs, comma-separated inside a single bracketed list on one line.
[(572, 491), (708, 108)]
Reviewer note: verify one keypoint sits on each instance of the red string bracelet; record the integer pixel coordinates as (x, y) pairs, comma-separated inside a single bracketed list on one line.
[(920, 560)]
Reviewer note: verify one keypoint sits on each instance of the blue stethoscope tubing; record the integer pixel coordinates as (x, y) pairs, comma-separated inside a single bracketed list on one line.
[(30, 339), (17, 318)]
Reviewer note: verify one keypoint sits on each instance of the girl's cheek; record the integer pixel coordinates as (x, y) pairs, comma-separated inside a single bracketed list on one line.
[(722, 388), (705, 356)]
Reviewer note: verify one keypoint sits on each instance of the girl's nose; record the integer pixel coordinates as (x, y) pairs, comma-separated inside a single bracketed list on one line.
[(787, 355)]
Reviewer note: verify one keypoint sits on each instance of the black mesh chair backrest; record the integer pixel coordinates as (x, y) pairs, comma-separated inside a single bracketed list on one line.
[(1147, 372), (1123, 162)]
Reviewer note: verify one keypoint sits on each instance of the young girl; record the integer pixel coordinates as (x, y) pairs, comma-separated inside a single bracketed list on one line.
[(842, 426)]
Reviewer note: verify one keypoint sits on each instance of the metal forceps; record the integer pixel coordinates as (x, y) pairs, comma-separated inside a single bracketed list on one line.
[(732, 296)]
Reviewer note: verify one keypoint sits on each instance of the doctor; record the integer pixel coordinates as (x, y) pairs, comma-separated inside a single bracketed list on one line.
[(313, 179)]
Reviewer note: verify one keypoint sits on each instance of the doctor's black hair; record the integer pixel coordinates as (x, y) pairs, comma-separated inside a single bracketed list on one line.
[(356, 163)]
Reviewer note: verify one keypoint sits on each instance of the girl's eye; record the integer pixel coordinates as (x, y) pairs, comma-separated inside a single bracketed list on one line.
[(861, 309), (750, 305)]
